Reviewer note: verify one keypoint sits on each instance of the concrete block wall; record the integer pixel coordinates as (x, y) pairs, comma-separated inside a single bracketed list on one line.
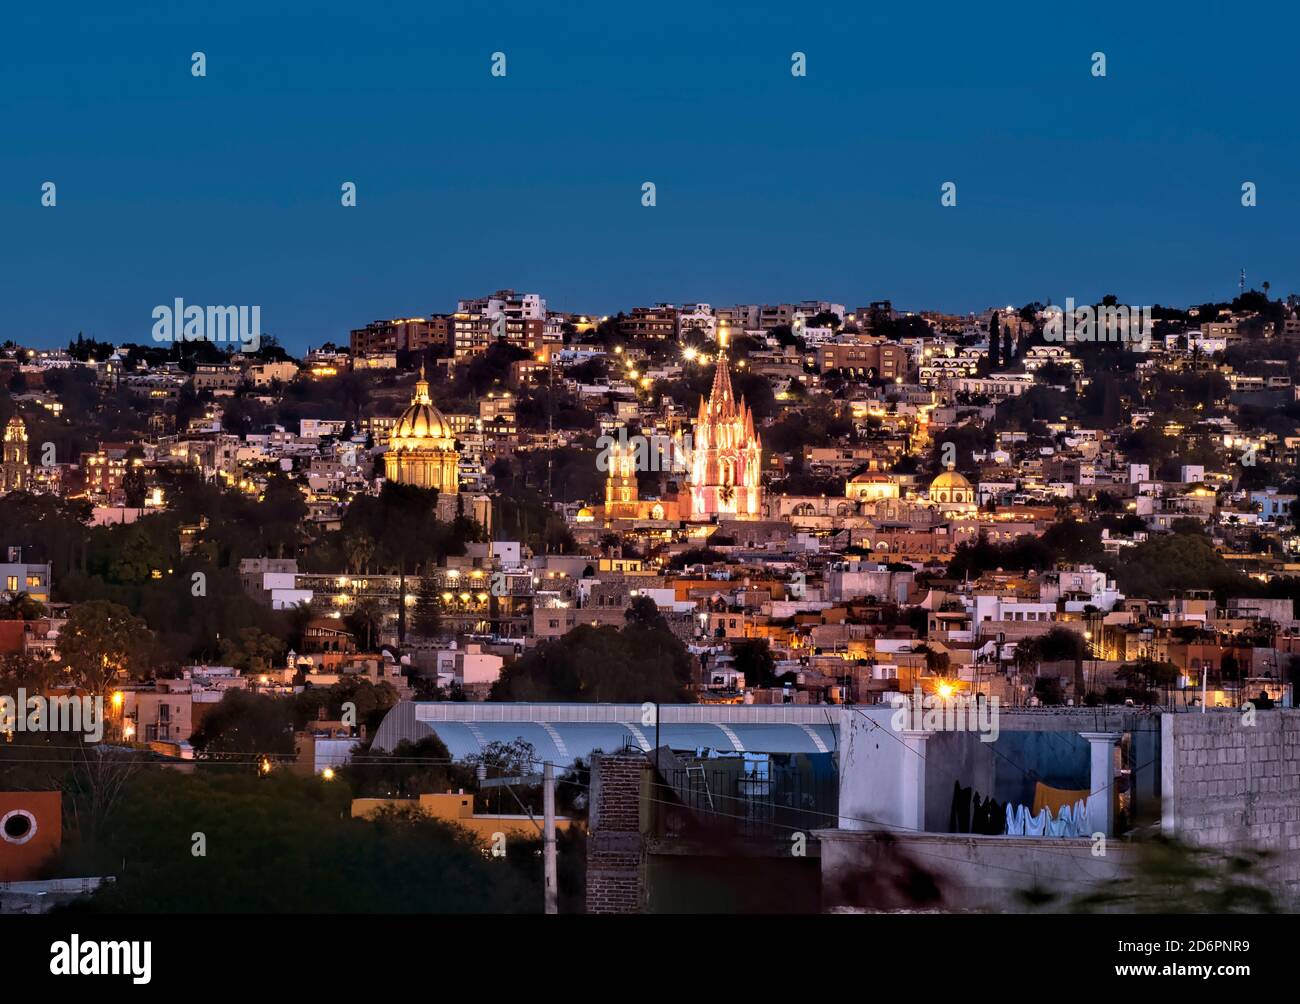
[(1232, 785), (615, 844)]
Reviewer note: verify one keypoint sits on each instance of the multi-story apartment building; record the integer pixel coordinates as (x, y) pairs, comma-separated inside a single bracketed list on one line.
[(264, 374), (18, 576), (497, 420), (938, 366), (218, 378), (742, 317), (526, 306), (472, 333), (410, 334), (878, 359), (658, 323), (102, 472), (776, 316)]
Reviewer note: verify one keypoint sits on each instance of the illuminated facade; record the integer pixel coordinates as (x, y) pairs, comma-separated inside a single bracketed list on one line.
[(422, 447), (14, 469), (620, 484), (725, 478), (622, 494), (871, 486)]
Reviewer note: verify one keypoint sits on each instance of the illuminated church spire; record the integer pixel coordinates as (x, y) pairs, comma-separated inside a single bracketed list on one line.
[(726, 465)]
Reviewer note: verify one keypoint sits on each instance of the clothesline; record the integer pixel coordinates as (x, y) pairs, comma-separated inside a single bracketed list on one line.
[(972, 813), (1069, 822)]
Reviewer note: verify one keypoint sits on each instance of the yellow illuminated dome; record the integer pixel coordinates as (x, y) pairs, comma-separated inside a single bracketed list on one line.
[(422, 448), (951, 487), (871, 486), (421, 420)]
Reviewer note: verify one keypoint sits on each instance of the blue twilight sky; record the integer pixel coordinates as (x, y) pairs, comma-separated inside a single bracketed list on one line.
[(225, 190)]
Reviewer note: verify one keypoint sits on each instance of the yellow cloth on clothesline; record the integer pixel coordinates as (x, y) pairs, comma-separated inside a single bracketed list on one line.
[(1045, 796)]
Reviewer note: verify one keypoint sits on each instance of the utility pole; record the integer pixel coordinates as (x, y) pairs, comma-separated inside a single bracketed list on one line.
[(548, 836)]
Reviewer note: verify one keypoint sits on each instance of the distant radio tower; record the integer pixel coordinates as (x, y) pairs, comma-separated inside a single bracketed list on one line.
[(1241, 283)]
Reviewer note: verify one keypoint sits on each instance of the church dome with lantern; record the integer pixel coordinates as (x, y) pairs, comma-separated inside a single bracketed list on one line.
[(952, 488), (420, 421), (422, 447)]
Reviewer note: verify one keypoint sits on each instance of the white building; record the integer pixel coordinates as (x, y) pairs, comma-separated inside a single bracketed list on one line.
[(697, 315)]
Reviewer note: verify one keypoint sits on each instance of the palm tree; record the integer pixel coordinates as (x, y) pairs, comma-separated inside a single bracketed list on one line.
[(936, 663), (359, 549), (21, 607), (365, 620)]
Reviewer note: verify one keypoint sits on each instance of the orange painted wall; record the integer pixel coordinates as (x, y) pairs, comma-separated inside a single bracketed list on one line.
[(31, 832)]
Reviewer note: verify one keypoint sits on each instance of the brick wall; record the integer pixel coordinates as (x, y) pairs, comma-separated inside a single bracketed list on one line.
[(1232, 785), (615, 848)]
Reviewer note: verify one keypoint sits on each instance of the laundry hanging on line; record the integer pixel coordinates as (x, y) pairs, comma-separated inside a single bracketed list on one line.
[(972, 813), (1071, 821)]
